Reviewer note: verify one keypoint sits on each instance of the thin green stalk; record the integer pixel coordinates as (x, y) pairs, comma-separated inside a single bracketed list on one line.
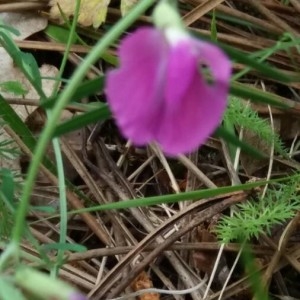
[(255, 277), (174, 198), (67, 94), (68, 47), (58, 156), (62, 201)]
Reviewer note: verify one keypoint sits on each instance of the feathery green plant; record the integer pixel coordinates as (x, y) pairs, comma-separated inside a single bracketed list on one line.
[(253, 217), (8, 183), (242, 115), (7, 150)]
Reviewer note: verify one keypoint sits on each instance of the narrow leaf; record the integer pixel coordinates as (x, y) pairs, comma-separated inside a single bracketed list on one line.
[(8, 184), (263, 68), (14, 87), (232, 139), (174, 198), (93, 116), (256, 95), (86, 89), (64, 247)]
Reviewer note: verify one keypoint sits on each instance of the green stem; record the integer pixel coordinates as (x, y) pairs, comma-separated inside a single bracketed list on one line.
[(62, 202), (63, 100), (72, 33), (63, 207)]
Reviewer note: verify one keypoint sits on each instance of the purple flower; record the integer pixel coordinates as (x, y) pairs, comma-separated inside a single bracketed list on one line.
[(160, 92)]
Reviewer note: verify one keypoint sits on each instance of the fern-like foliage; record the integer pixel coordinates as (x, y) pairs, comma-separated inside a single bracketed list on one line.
[(242, 115), (8, 179), (253, 217), (7, 150)]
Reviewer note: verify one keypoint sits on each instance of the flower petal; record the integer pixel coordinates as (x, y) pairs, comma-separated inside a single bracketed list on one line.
[(159, 93), (198, 107), (181, 70), (217, 61), (134, 90)]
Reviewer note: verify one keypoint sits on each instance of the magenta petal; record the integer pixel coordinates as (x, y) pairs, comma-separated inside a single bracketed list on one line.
[(134, 90), (159, 93), (181, 70), (218, 62), (197, 107)]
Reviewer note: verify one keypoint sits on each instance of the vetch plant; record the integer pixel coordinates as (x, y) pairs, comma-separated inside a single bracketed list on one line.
[(162, 91), (170, 88)]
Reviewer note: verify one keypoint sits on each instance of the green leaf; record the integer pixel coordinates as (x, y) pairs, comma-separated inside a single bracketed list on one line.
[(228, 125), (9, 29), (19, 127), (64, 247), (8, 185), (89, 88), (256, 95), (263, 68), (248, 60), (13, 120), (30, 67), (255, 277), (24, 61), (14, 87), (86, 89), (45, 209), (174, 198), (213, 27), (59, 33), (238, 114), (8, 210), (93, 116), (232, 139), (238, 21)]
